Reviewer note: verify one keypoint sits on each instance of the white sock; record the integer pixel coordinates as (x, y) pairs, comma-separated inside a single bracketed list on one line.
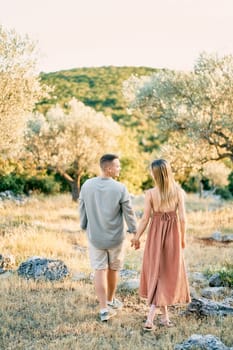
[(102, 311)]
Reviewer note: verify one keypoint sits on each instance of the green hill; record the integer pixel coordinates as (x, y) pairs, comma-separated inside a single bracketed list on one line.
[(100, 88)]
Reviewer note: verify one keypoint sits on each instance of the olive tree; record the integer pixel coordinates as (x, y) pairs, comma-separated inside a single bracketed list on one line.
[(71, 142), (195, 106), (20, 88), (217, 174)]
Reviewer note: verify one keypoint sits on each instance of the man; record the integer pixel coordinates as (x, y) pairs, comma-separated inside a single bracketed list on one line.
[(103, 204)]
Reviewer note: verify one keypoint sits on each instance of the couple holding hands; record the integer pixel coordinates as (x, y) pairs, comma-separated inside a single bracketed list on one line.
[(104, 204)]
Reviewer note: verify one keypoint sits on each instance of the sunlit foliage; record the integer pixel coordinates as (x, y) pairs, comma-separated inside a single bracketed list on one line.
[(72, 142), (19, 88), (197, 105)]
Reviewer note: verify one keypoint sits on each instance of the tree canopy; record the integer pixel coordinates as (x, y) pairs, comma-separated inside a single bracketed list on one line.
[(20, 87), (71, 142), (196, 105), (101, 89)]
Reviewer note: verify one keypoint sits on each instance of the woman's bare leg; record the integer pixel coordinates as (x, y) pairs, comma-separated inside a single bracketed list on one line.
[(151, 316), (165, 321), (165, 316)]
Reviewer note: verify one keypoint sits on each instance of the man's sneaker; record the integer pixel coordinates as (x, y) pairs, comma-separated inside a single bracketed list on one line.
[(115, 304), (104, 316)]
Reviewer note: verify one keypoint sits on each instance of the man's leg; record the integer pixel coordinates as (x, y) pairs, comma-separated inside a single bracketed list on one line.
[(99, 262), (101, 287), (101, 292), (116, 256), (112, 279)]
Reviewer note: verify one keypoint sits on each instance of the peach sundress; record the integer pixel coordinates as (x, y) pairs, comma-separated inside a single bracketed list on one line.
[(163, 279)]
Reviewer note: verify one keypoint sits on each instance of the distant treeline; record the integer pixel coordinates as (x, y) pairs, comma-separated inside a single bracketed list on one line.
[(99, 88)]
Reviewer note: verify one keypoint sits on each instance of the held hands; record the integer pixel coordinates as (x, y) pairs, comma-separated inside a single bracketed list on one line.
[(135, 243)]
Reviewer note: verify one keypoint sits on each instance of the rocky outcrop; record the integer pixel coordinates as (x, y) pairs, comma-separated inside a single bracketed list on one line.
[(130, 285), (204, 307), (129, 280), (43, 269), (126, 274), (215, 280), (214, 292), (219, 237), (9, 195), (204, 342)]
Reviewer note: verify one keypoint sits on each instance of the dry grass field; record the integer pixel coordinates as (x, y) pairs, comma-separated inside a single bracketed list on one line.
[(64, 315)]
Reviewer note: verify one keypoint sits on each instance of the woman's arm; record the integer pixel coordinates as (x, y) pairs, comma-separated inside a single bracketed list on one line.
[(182, 218), (143, 222)]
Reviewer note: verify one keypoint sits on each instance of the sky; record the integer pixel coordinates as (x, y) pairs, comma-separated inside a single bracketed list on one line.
[(151, 33)]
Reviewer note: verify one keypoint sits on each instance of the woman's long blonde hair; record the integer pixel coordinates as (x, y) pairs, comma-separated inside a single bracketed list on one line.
[(163, 177)]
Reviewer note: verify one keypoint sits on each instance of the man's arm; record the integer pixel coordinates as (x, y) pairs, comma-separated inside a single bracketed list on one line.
[(82, 212), (128, 212)]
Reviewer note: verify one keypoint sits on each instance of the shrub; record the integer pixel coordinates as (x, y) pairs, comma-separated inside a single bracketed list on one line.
[(19, 184), (12, 182), (45, 184), (192, 184), (230, 185), (225, 272), (224, 192)]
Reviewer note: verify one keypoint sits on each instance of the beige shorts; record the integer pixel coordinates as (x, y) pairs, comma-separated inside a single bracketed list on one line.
[(102, 259)]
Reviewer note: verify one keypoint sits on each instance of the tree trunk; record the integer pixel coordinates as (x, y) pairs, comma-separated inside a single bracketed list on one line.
[(201, 189), (74, 184), (74, 191)]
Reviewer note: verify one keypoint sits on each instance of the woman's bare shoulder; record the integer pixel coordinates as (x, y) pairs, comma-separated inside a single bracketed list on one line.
[(153, 194), (151, 191), (180, 192)]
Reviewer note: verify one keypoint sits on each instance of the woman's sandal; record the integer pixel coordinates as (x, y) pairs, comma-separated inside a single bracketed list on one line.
[(166, 323), (148, 327)]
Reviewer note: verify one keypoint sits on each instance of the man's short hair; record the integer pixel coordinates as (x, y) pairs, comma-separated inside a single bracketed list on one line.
[(107, 158)]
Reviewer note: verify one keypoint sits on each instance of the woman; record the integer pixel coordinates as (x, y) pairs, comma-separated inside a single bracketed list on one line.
[(163, 279)]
